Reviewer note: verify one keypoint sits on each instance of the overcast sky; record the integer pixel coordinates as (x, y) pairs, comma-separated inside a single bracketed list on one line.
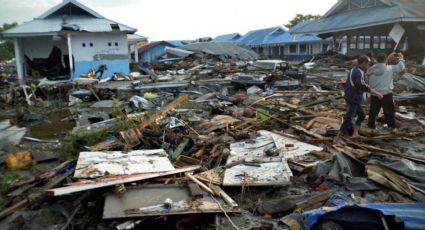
[(180, 19)]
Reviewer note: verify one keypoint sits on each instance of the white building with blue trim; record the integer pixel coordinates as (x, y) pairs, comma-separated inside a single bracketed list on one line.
[(280, 43), (74, 37)]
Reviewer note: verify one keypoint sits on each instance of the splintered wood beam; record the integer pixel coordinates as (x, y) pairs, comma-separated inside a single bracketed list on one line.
[(105, 182), (157, 116), (125, 135)]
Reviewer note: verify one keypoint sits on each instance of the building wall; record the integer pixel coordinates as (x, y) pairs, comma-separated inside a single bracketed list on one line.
[(93, 49)]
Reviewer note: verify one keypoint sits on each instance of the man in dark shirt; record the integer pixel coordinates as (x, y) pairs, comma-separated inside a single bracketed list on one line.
[(354, 89)]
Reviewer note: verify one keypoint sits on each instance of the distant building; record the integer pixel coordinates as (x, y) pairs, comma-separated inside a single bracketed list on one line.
[(70, 39), (134, 42), (279, 43), (365, 26), (234, 37), (153, 51)]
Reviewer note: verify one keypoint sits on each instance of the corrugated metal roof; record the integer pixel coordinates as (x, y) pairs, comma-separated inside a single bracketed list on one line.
[(135, 37), (178, 43), (50, 23), (233, 37), (153, 44), (256, 37), (54, 25), (394, 11), (277, 35)]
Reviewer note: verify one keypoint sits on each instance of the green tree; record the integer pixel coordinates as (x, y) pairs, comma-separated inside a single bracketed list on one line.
[(6, 45), (301, 17)]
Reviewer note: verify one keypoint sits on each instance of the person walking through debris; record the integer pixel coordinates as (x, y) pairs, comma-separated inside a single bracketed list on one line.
[(100, 69), (381, 79), (354, 89)]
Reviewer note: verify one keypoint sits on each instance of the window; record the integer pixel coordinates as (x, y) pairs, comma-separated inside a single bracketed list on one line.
[(383, 42), (375, 42), (390, 43), (116, 43), (303, 48), (260, 50), (353, 42), (367, 40), (292, 48), (109, 44), (91, 44), (360, 42), (84, 44)]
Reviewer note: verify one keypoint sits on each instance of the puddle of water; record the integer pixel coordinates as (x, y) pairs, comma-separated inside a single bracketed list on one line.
[(55, 126)]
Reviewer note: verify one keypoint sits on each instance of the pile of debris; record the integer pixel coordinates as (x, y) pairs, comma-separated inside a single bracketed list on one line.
[(210, 143)]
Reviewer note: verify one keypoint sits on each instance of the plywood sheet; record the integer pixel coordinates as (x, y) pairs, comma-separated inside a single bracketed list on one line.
[(266, 170), (98, 164)]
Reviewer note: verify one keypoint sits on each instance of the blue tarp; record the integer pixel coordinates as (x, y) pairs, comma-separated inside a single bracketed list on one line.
[(413, 214)]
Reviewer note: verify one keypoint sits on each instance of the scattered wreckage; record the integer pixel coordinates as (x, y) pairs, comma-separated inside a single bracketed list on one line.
[(208, 141)]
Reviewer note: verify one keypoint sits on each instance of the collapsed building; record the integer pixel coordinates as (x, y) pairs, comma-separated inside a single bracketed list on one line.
[(70, 39)]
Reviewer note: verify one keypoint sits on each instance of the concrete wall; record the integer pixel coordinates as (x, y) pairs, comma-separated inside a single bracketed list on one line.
[(93, 49)]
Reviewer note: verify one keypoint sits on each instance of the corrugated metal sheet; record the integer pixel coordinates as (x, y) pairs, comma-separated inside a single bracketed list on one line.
[(396, 11)]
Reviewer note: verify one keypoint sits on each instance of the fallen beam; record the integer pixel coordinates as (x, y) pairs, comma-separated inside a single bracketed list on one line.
[(100, 183), (157, 116)]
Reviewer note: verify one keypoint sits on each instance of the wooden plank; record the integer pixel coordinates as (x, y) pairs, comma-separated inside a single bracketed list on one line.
[(36, 196), (253, 167), (98, 164), (110, 181)]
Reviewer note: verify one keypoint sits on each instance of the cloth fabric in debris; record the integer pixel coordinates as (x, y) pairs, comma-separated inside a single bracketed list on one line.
[(351, 172)]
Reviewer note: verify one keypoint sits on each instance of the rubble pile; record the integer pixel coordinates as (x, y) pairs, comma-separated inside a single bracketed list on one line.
[(207, 142)]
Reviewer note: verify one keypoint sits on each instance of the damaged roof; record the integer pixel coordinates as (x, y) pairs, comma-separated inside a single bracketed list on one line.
[(341, 17), (68, 15), (226, 49)]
